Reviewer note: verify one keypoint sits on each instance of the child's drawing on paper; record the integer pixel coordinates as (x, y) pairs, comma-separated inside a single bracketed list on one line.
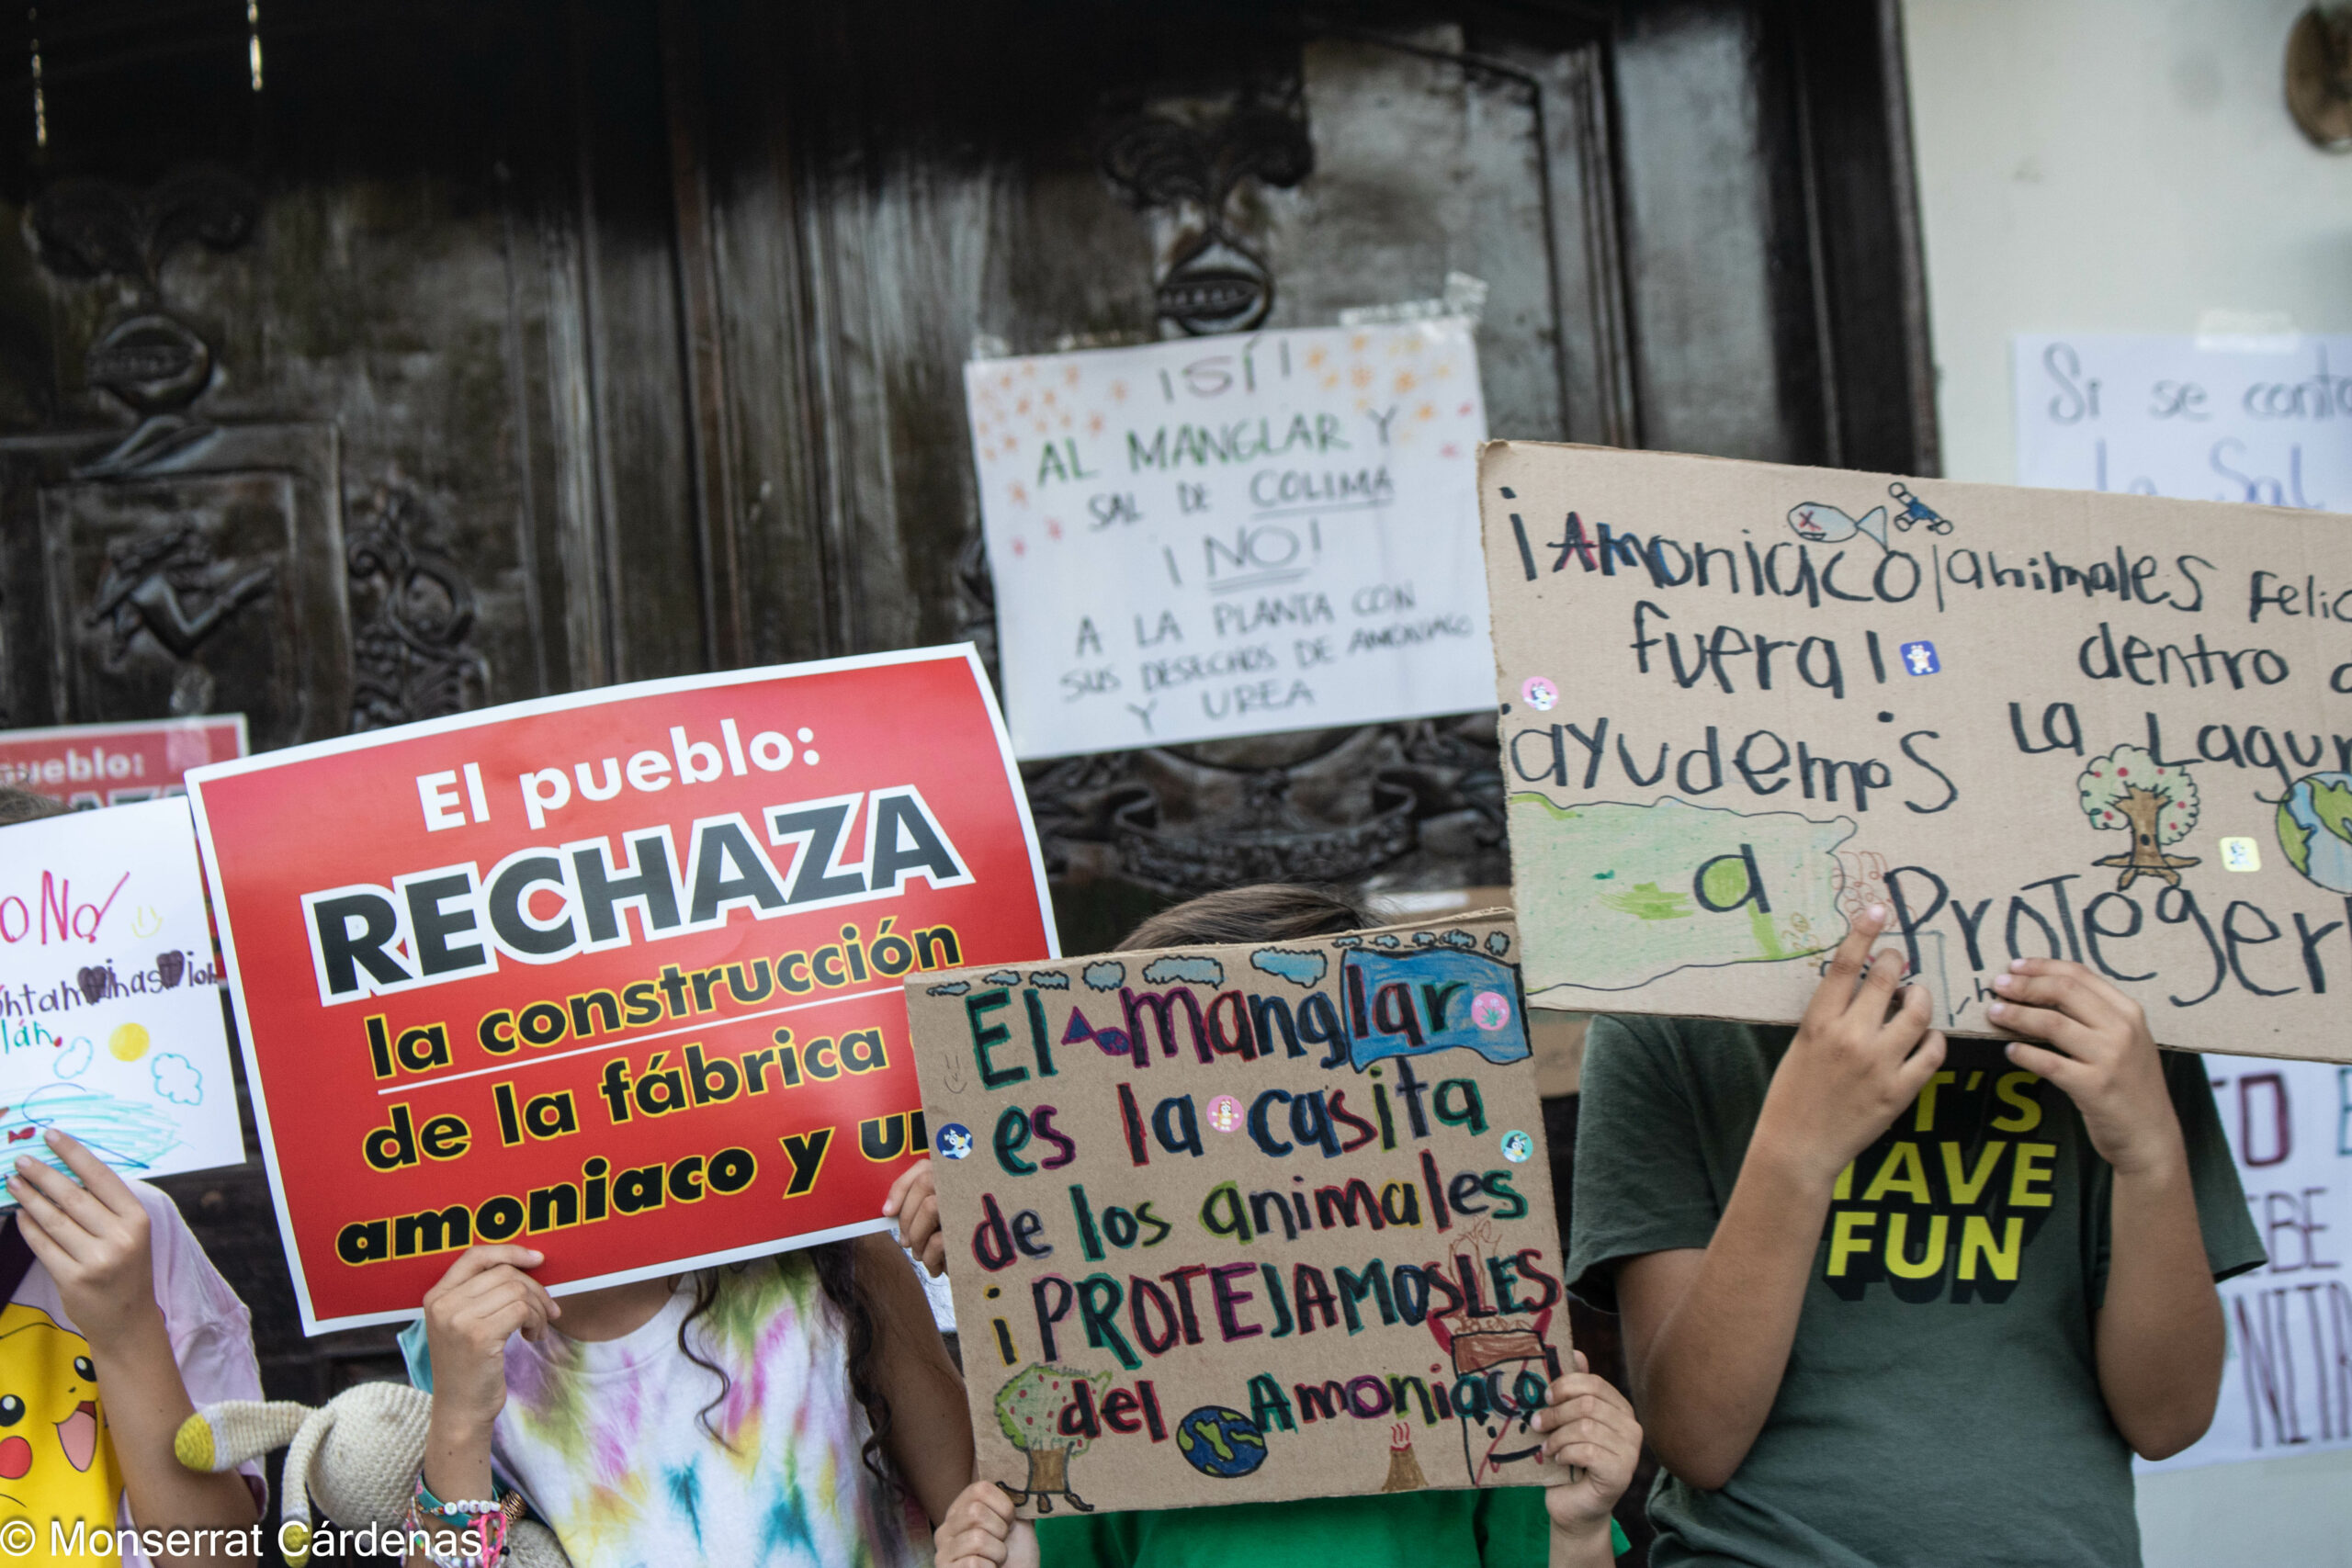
[(110, 1021)]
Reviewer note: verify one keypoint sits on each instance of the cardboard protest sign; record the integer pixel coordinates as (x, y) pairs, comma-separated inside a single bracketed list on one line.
[(613, 974), (1741, 703), (1209, 538), (1241, 1223), (110, 1021), (113, 764)]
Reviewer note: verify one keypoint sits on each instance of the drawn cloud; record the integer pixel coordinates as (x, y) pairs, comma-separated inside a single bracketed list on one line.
[(1049, 979), (948, 988), (1619, 895), (1198, 971), (1461, 938), (1002, 978), (1498, 943), (73, 1058), (1107, 975), (1303, 969), (177, 1080)]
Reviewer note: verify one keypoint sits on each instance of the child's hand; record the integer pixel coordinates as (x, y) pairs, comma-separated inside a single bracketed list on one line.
[(91, 1237), (914, 1202), (980, 1531), (1587, 1424), (2106, 1059), (1852, 1068), (484, 1297)]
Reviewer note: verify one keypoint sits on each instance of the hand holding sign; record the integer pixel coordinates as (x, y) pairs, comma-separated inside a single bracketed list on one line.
[(1858, 1059)]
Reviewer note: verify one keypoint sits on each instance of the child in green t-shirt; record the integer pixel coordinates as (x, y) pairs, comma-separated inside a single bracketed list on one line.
[(1587, 1424), (1893, 1298)]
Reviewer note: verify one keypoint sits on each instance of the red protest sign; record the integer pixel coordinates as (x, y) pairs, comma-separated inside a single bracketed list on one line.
[(618, 974), (114, 764)]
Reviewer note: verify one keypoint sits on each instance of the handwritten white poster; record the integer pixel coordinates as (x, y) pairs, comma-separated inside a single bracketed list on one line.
[(2267, 421), (110, 1019), (2288, 1385), (1227, 537), (2261, 418)]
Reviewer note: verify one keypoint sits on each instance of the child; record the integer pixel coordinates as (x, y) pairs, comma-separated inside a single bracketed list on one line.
[(1587, 1424), (754, 1413), (1892, 1299), (116, 1327)]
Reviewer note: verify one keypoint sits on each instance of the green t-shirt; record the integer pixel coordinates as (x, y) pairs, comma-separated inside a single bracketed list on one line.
[(1503, 1526), (1941, 1403)]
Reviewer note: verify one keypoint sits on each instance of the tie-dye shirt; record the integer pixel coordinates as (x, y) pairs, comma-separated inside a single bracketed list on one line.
[(605, 1442)]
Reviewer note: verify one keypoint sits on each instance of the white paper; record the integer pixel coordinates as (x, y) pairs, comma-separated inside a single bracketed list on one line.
[(110, 1021), (2261, 418), (2268, 420), (1230, 536), (2286, 1388)]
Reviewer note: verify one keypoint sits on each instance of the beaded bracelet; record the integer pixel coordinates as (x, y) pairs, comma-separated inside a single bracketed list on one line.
[(493, 1520)]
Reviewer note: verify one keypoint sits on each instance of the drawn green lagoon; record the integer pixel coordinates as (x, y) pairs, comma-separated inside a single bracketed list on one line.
[(1631, 892)]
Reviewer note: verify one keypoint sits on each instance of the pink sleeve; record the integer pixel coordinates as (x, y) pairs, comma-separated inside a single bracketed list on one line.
[(211, 1330)]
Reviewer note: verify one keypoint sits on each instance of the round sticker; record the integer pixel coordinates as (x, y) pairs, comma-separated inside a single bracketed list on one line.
[(954, 1141), (1541, 694), (1490, 1011), (1225, 1114), (1516, 1147)]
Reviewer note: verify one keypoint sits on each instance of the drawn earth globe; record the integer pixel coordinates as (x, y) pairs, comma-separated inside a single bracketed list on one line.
[(2316, 830), (1218, 1441)]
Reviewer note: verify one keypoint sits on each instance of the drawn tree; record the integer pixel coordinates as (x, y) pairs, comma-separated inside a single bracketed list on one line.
[(2128, 790), (1028, 1411)]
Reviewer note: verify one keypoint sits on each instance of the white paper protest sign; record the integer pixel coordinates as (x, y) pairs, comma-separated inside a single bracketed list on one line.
[(2262, 419), (110, 1021), (2287, 1387), (1230, 536)]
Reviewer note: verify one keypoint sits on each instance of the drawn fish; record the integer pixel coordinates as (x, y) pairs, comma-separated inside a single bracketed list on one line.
[(1826, 524)]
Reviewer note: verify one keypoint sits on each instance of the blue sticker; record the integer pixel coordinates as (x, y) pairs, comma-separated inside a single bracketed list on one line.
[(1919, 659), (954, 1141), (1518, 1147)]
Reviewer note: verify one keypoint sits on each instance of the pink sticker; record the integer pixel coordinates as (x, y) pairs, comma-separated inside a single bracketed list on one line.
[(1491, 1009), (1541, 694), (1225, 1114)]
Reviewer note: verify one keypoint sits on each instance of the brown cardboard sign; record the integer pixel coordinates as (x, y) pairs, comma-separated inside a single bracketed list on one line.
[(1235, 1225), (1742, 702)]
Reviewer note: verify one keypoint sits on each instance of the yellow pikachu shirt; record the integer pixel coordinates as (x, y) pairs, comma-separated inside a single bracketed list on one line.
[(57, 1459)]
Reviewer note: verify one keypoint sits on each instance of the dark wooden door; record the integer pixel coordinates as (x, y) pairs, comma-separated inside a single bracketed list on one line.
[(389, 357)]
